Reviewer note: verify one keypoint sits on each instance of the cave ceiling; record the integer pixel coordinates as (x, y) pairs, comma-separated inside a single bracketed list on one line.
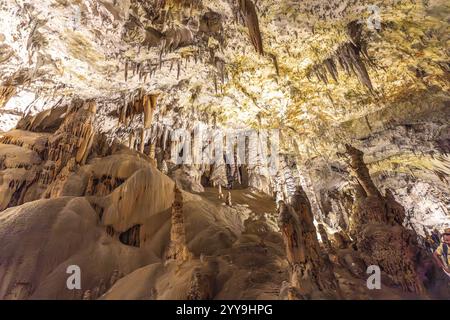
[(323, 72)]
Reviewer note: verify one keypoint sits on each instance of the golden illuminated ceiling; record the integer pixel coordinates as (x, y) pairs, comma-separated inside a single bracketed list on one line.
[(200, 57)]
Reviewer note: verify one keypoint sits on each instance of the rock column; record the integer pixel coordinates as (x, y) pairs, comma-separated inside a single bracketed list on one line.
[(312, 274), (178, 249)]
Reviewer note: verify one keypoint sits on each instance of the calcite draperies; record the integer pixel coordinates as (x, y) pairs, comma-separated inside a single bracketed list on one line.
[(143, 104)]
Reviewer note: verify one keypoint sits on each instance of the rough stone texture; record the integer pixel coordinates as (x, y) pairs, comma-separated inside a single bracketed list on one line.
[(178, 249), (311, 272), (376, 224), (92, 93)]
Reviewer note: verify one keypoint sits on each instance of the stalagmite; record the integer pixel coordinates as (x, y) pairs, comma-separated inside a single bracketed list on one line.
[(220, 191), (228, 199), (395, 212), (164, 169), (178, 249), (376, 224), (201, 285), (361, 171), (311, 272)]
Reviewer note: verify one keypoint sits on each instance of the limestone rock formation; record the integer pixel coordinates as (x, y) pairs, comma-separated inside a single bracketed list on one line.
[(178, 249), (311, 272), (189, 178), (324, 237), (160, 146), (6, 92), (376, 224), (248, 11), (202, 285)]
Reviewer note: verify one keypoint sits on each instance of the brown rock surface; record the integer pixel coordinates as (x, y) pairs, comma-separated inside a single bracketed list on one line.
[(376, 224), (312, 274)]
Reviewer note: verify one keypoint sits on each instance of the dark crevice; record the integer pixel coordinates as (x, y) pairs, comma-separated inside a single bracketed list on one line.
[(131, 237)]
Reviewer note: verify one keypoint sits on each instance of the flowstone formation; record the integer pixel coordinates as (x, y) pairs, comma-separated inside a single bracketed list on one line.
[(37, 165)]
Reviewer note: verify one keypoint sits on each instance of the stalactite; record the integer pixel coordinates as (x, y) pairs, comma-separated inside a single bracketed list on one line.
[(332, 69), (350, 60), (123, 113), (70, 146), (85, 145), (6, 93), (138, 68), (86, 138), (248, 11), (275, 63), (143, 104), (148, 111), (351, 56), (131, 140)]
